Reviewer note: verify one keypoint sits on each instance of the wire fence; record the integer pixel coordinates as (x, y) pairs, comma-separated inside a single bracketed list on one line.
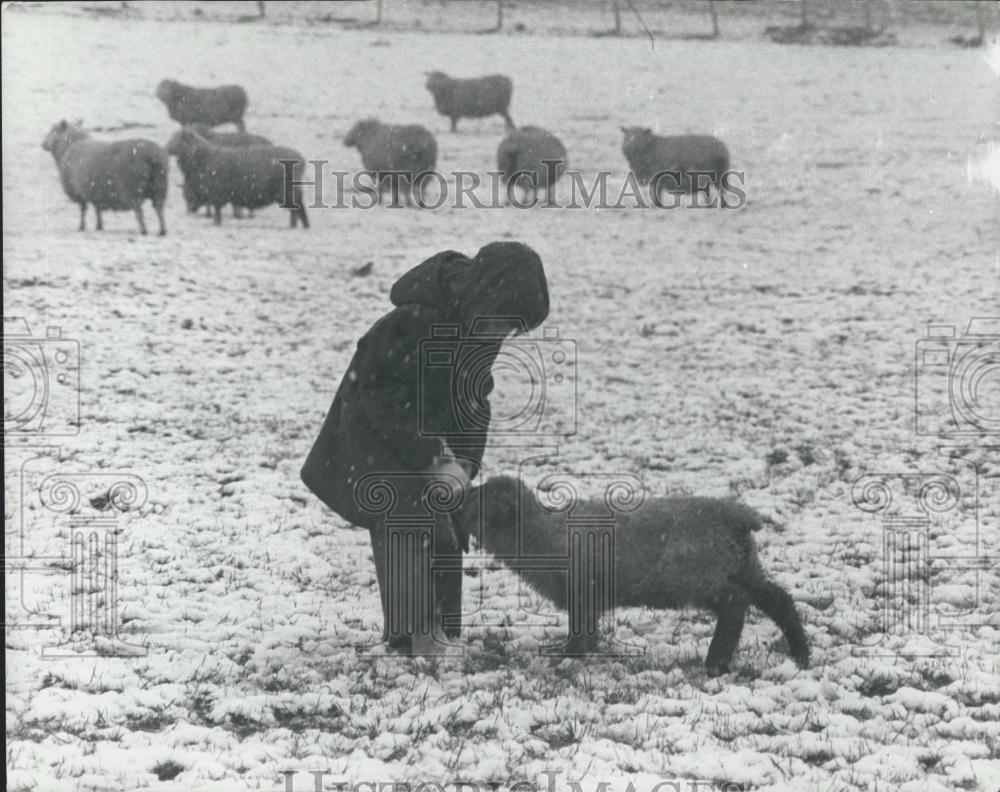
[(858, 22)]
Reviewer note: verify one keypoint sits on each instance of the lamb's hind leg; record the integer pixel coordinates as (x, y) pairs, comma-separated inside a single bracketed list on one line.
[(100, 222), (730, 605), (83, 217), (779, 606)]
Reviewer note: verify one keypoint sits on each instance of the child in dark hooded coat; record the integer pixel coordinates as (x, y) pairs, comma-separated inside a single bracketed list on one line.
[(414, 423)]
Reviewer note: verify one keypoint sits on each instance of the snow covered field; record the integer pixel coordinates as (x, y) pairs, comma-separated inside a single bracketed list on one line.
[(766, 352)]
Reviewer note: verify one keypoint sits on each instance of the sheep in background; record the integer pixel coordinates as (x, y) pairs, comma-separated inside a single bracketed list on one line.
[(212, 106), (251, 177), (532, 158), (673, 160), (406, 150), (472, 98), (670, 552), (114, 176), (230, 139)]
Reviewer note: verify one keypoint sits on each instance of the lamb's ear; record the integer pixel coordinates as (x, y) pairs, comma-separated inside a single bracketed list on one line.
[(63, 125)]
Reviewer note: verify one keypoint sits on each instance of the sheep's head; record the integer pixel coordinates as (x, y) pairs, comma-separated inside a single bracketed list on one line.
[(184, 139), (436, 81), (61, 134), (494, 512), (360, 132), (165, 90), (192, 203), (637, 136)]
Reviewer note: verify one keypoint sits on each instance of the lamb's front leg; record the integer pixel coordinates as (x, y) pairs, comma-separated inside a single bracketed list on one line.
[(731, 605)]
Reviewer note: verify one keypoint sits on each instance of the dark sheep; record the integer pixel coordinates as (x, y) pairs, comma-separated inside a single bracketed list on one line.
[(532, 158), (230, 139), (250, 177), (669, 553), (114, 176), (406, 150), (671, 162), (212, 106), (477, 97)]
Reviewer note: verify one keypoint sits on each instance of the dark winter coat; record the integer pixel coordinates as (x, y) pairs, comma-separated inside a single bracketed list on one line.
[(386, 416)]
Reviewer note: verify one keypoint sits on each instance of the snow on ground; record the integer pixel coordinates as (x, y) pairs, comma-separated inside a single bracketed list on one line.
[(767, 352)]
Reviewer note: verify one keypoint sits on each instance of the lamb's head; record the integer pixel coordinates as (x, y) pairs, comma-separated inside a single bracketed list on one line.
[(61, 134), (495, 512), (437, 81), (190, 199), (637, 137), (165, 90), (360, 132)]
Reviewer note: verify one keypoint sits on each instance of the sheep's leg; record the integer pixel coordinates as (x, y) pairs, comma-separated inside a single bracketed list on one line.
[(141, 219), (208, 211), (303, 216), (779, 606), (240, 125), (159, 216), (83, 216), (100, 222), (218, 214), (454, 123), (507, 120), (237, 212), (731, 606)]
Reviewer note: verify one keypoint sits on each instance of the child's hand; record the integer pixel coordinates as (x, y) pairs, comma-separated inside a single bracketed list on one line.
[(452, 472)]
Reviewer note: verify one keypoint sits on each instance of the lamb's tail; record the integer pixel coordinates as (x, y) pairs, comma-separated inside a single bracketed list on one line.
[(779, 606)]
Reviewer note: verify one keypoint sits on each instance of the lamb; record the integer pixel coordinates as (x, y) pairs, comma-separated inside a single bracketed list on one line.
[(211, 106), (115, 176), (250, 177), (396, 155), (230, 139), (670, 163), (472, 98), (532, 158), (669, 553)]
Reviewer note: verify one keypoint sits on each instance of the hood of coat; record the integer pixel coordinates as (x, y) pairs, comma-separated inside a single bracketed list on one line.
[(502, 290)]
